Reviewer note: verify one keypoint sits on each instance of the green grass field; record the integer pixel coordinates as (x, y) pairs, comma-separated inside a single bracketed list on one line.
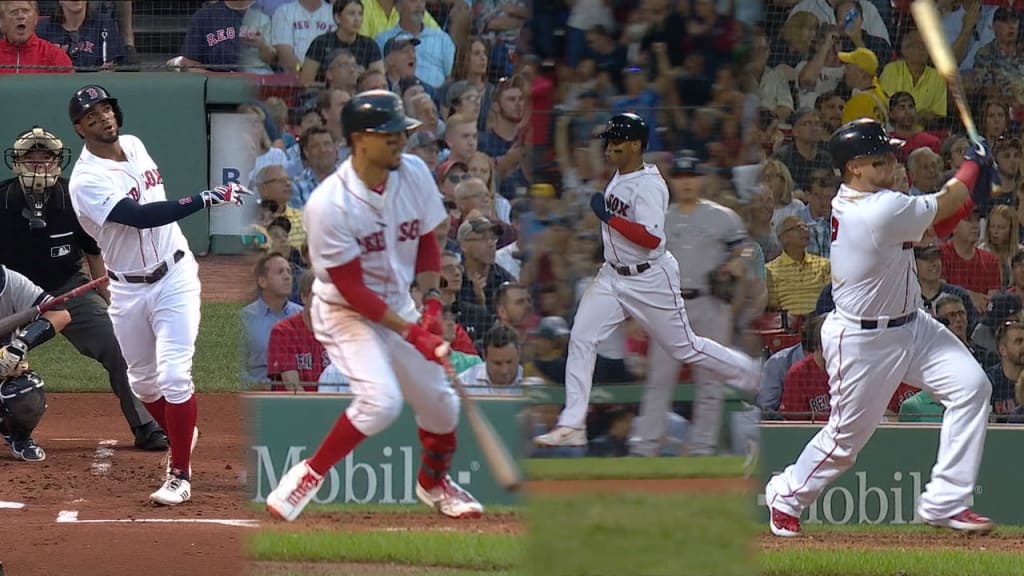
[(216, 366)]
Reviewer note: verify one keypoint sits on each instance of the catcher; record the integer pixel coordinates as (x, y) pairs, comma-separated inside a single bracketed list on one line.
[(22, 399), (708, 240)]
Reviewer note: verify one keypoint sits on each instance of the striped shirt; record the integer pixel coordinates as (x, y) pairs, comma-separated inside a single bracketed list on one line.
[(795, 286)]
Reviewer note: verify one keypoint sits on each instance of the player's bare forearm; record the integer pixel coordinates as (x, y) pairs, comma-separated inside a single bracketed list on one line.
[(59, 319), (428, 280), (98, 269)]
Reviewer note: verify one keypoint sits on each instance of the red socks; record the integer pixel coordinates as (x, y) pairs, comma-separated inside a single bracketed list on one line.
[(341, 440), (436, 458), (157, 411), (181, 422)]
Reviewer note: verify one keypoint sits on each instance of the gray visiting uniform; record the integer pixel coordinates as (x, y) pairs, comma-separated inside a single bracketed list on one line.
[(17, 293), (701, 241)]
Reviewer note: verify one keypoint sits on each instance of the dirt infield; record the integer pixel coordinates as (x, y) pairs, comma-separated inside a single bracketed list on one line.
[(98, 484), (227, 278), (893, 540)]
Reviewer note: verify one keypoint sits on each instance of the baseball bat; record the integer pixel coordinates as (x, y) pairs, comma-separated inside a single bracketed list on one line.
[(19, 319), (499, 460), (930, 25)]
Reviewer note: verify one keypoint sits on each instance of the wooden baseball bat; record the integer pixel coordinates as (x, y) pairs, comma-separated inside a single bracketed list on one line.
[(501, 463), (19, 319)]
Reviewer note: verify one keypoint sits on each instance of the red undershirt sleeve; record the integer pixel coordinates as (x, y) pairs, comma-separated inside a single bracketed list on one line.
[(428, 255), (348, 279), (634, 232), (945, 227)]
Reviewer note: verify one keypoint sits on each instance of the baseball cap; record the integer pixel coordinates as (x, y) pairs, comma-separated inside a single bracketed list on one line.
[(686, 163), (862, 58), (1001, 307), (551, 327), (445, 167), (400, 41), (477, 224), (422, 138), (927, 251)]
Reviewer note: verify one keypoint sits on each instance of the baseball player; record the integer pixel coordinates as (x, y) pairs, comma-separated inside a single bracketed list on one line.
[(704, 236), (639, 279), (22, 399), (118, 195), (371, 232), (877, 337), (40, 237)]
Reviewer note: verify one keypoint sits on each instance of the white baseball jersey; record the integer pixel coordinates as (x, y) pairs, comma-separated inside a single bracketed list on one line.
[(98, 184), (345, 220), (874, 273), (641, 197), (295, 26)]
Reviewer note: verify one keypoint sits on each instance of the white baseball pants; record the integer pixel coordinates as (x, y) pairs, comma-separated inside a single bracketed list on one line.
[(156, 326), (652, 299), (865, 367), (382, 368)]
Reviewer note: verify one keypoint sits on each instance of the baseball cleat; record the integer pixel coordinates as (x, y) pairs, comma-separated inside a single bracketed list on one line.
[(166, 460), (174, 491), (783, 524), (150, 437), (966, 521), (450, 499), (295, 490), (562, 436), (27, 450)]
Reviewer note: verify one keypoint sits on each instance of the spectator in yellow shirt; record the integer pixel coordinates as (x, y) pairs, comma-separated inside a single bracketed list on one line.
[(796, 277), (913, 74), (379, 15), (868, 99)]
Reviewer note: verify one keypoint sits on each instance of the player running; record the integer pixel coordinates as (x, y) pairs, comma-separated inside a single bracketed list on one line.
[(639, 279), (877, 337), (118, 195), (371, 233)]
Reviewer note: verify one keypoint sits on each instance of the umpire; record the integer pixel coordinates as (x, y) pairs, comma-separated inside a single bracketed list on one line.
[(41, 238)]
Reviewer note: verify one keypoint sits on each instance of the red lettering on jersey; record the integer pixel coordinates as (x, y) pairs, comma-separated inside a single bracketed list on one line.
[(616, 206), (231, 33), (134, 193), (372, 243), (835, 228), (221, 36), (152, 178), (409, 230)]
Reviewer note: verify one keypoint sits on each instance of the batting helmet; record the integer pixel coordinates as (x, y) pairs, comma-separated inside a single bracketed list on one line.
[(627, 126), (862, 137), (89, 97), (375, 111)]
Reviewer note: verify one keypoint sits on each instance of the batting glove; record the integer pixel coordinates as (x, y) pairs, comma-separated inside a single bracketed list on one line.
[(431, 317), (431, 346), (979, 153), (11, 356), (231, 193), (598, 206)]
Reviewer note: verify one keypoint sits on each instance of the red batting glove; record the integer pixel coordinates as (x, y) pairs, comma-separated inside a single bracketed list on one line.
[(431, 317), (433, 347)]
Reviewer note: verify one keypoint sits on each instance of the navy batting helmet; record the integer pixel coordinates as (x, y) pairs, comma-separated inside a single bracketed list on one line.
[(87, 98), (375, 111), (627, 126), (862, 137)]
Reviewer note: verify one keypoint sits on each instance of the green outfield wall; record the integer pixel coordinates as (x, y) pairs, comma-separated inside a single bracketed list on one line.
[(168, 111), (892, 471)]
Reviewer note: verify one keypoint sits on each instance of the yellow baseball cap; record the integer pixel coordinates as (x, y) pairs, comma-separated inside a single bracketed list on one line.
[(863, 58)]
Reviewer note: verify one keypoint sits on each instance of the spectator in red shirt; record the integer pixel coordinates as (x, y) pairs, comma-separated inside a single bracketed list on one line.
[(805, 394), (294, 355), (903, 118), (968, 266), (21, 51)]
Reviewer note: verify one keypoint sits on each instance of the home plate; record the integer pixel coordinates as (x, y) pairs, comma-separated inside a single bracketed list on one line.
[(12, 505), (71, 517)]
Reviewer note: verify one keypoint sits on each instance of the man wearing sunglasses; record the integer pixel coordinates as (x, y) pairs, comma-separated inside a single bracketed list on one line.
[(876, 337)]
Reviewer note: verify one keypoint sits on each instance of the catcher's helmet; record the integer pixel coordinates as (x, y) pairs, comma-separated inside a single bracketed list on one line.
[(862, 137), (375, 111), (627, 126), (89, 97)]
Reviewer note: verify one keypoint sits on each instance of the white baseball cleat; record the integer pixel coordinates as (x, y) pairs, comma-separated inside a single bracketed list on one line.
[(295, 490), (174, 491), (781, 523), (450, 499), (562, 436), (966, 521), (166, 460)]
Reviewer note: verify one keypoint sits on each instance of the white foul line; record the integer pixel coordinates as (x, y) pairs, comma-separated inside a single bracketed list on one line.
[(101, 459), (11, 505), (71, 517)]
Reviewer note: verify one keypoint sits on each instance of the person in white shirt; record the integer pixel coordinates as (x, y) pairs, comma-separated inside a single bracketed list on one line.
[(293, 28), (501, 372)]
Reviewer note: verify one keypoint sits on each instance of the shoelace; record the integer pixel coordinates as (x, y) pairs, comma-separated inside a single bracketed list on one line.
[(307, 483), (450, 490)]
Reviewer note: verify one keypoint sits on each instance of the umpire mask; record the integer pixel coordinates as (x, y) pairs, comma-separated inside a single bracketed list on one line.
[(37, 159)]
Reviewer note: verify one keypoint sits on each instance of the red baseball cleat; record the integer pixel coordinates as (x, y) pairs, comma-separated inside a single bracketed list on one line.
[(966, 521)]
